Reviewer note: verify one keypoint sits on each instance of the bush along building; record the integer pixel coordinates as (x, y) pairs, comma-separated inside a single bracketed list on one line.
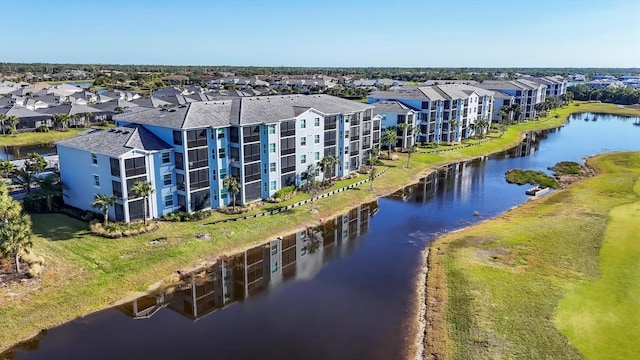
[(444, 113), (187, 152)]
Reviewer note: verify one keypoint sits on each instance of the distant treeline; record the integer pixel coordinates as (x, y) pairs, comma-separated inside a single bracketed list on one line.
[(405, 74), (615, 95)]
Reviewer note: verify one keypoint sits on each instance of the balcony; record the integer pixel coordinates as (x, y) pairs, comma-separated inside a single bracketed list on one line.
[(355, 137), (197, 143), (330, 142), (366, 118), (355, 122), (286, 133), (366, 132), (287, 151), (198, 164), (354, 152)]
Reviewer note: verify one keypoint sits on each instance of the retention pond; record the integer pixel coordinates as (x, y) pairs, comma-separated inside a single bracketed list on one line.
[(343, 290)]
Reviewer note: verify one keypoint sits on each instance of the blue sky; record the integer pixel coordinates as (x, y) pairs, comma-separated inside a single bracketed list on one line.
[(399, 33)]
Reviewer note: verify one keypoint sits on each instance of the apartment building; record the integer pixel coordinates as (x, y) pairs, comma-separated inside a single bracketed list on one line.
[(556, 85), (526, 93), (444, 113), (186, 152)]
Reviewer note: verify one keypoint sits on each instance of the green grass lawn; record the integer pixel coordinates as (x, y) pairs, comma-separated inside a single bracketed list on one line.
[(85, 273), (568, 261), (601, 316), (35, 138)]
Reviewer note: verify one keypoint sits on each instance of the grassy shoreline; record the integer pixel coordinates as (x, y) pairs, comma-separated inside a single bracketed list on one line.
[(85, 273), (493, 290)]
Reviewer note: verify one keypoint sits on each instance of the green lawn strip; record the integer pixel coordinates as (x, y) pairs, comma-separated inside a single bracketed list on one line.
[(601, 316), (85, 272), (36, 138), (504, 278)]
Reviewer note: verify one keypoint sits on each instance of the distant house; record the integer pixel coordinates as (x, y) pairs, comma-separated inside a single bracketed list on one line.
[(79, 114), (29, 119), (175, 79)]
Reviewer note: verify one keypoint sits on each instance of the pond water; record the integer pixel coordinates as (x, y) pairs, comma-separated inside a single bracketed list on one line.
[(21, 151), (82, 84), (340, 291)]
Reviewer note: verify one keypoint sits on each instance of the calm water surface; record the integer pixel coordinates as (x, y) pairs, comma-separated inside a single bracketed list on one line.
[(21, 151), (340, 291)]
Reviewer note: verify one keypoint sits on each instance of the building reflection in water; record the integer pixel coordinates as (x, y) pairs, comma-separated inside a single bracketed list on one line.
[(300, 255)]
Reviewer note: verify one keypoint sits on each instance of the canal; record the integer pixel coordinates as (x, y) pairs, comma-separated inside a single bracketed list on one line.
[(343, 290)]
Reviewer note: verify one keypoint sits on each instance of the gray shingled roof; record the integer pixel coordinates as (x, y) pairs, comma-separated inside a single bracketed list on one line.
[(116, 141), (391, 106), (246, 110), (21, 112)]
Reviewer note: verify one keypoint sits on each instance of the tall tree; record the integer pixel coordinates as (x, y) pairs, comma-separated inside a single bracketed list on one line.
[(15, 232), (143, 189), (48, 188), (3, 119), (6, 168), (35, 163), (15, 238), (232, 185), (311, 183), (13, 124), (60, 121), (481, 124), (403, 129), (372, 176), (103, 202), (327, 165), (410, 150), (25, 179), (390, 137)]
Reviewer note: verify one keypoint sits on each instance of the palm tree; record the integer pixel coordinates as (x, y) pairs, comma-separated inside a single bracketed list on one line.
[(49, 187), (482, 124), (15, 237), (232, 185), (328, 164), (25, 179), (390, 137), (87, 119), (60, 121), (6, 168), (410, 150), (3, 119), (13, 124), (454, 123), (415, 131), (143, 189), (103, 202), (403, 129), (372, 176), (310, 183)]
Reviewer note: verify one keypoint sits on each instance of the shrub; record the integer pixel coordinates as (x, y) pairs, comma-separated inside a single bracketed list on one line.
[(115, 230), (181, 216), (286, 192), (532, 177), (34, 270), (566, 167), (42, 128)]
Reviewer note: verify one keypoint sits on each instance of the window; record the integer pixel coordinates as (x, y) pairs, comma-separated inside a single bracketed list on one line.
[(303, 141), (316, 139), (222, 153), (168, 200), (115, 167), (316, 122), (272, 167), (135, 166), (213, 153), (346, 134), (303, 124), (272, 129), (316, 155), (166, 157), (303, 159), (223, 173), (166, 179), (177, 137), (274, 267), (272, 185), (272, 148), (94, 158), (96, 180), (220, 133), (274, 249)]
